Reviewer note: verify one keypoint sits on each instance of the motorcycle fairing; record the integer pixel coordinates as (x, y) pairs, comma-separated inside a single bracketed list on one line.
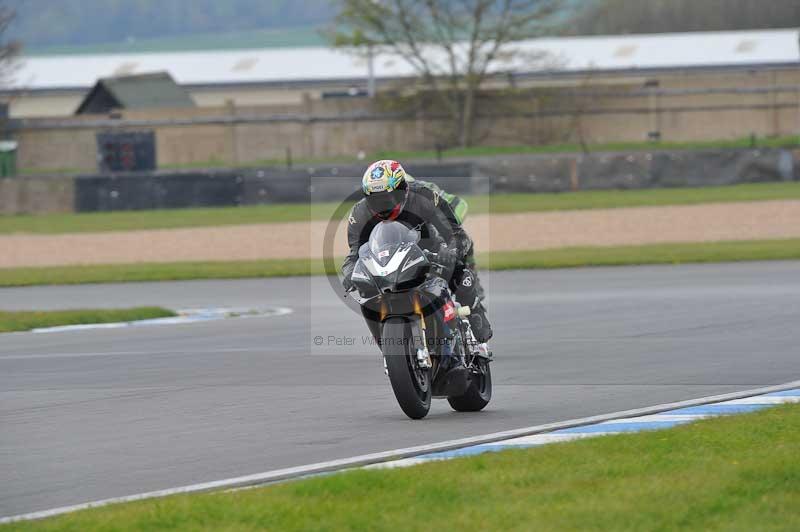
[(390, 261)]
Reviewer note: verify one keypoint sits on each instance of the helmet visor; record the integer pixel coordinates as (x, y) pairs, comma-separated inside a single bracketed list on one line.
[(381, 204)]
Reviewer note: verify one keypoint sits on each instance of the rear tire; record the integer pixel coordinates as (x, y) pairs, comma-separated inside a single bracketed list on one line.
[(411, 385), (479, 392)]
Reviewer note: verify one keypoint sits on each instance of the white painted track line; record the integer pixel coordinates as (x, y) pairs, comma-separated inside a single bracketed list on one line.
[(408, 453)]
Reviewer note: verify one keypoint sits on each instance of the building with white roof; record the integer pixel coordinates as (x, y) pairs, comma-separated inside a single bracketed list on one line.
[(55, 85)]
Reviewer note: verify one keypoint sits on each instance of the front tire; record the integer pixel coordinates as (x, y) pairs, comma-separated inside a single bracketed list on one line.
[(479, 392), (411, 384)]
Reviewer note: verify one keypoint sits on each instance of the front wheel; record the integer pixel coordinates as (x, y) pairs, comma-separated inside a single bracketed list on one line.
[(479, 392), (411, 384)]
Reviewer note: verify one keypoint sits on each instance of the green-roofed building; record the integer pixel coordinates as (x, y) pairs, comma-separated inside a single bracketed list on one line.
[(141, 91)]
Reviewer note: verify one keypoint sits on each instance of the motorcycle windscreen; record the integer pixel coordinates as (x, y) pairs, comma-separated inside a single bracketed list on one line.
[(387, 237)]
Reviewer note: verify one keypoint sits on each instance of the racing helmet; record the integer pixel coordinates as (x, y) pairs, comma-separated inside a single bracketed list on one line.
[(385, 189)]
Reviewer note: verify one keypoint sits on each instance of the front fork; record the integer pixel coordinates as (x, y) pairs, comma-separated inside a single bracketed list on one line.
[(423, 354)]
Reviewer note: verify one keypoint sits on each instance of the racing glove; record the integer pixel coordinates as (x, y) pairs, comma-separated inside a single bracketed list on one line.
[(447, 258)]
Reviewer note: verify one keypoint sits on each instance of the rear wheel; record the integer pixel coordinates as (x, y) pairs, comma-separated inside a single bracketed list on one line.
[(411, 384), (479, 392)]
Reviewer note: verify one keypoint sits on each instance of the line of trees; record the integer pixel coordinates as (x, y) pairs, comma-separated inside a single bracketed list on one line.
[(612, 17)]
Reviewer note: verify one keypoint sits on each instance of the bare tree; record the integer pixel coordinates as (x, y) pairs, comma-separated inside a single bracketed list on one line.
[(8, 48), (453, 45)]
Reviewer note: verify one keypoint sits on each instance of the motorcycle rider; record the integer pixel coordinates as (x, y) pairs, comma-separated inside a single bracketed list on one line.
[(390, 194)]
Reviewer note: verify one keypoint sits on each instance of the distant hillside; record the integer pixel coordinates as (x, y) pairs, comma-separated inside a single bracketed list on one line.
[(234, 40), (115, 26), (42, 24), (613, 17)]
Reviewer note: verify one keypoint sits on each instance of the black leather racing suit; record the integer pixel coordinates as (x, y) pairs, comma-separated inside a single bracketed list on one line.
[(425, 208)]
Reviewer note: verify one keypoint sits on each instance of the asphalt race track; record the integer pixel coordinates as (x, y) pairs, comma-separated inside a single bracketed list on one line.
[(96, 414)]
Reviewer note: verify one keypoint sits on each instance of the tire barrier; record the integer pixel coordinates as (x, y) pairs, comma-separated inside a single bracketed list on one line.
[(221, 188), (502, 174), (637, 170)]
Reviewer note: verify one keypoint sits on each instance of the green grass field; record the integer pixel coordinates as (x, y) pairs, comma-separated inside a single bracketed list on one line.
[(496, 204), (732, 473), (557, 258), (27, 320)]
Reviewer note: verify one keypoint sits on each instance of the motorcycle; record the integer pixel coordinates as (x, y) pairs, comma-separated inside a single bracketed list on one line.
[(429, 349)]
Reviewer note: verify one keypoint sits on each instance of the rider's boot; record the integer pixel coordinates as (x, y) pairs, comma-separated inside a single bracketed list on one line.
[(483, 351), (481, 327), (482, 330), (469, 292)]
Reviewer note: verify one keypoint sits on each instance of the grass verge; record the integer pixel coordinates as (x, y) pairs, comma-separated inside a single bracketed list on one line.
[(678, 253), (495, 204), (27, 320), (672, 253), (176, 271), (490, 151), (732, 473)]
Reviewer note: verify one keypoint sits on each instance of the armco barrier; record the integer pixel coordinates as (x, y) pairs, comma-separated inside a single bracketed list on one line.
[(41, 194), (136, 191)]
